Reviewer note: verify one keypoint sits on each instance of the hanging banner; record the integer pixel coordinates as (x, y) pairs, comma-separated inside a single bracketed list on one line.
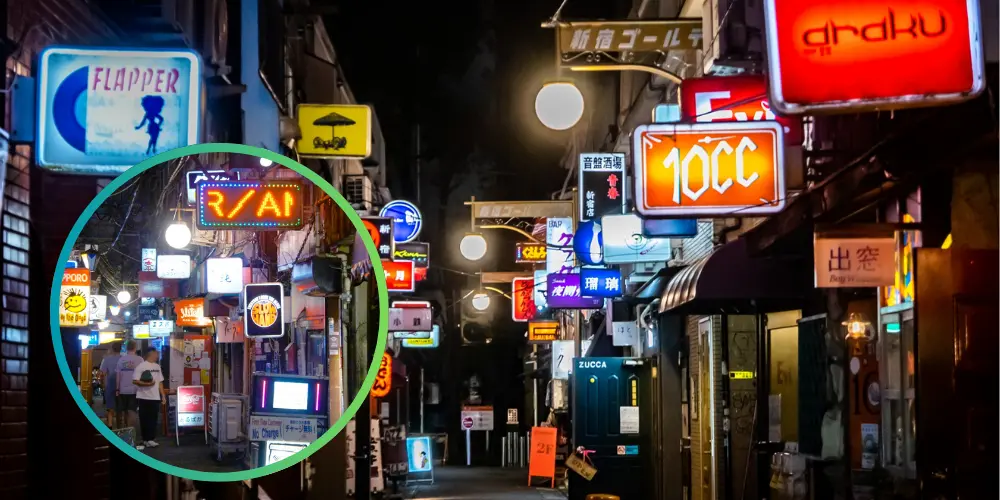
[(559, 258), (264, 312), (856, 55), (522, 302), (602, 185), (101, 111), (854, 262), (334, 130), (380, 229), (74, 303), (242, 205)]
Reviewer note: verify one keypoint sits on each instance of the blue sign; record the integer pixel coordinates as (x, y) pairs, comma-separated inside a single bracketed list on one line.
[(406, 220), (670, 228), (630, 450), (418, 454), (588, 243), (100, 111), (95, 338), (605, 283)]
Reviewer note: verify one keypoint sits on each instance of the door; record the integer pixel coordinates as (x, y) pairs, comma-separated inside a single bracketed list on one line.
[(706, 484), (612, 413)]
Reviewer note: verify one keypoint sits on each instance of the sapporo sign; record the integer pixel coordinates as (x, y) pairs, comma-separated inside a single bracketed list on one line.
[(74, 304), (851, 55), (737, 98), (261, 205), (334, 131), (722, 169)]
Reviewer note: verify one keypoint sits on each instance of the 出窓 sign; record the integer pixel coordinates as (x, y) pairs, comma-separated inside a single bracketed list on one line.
[(855, 262)]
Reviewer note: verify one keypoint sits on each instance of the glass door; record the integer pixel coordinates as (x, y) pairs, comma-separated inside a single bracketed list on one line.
[(897, 370)]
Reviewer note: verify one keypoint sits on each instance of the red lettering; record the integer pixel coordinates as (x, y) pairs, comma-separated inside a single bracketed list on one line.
[(159, 81), (97, 77), (172, 80), (133, 78), (147, 78), (107, 79), (120, 79)]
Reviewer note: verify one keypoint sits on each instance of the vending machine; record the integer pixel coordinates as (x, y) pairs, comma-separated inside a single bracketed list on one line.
[(287, 413)]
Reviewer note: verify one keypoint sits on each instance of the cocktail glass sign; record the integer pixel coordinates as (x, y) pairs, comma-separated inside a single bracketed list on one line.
[(101, 111), (263, 315), (602, 178), (258, 205)]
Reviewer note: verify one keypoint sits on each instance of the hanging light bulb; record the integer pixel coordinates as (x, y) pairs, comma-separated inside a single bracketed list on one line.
[(124, 297), (481, 301), (858, 327), (178, 235), (473, 246)]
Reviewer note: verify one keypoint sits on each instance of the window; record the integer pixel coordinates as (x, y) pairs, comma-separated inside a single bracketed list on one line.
[(897, 368)]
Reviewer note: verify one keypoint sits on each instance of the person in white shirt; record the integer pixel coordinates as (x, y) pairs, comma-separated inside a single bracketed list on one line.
[(148, 379)]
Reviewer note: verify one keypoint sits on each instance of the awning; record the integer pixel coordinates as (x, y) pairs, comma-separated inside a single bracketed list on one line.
[(652, 289), (730, 281)]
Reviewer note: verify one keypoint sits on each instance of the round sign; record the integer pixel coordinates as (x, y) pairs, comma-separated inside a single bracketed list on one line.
[(467, 423), (588, 243), (406, 220)]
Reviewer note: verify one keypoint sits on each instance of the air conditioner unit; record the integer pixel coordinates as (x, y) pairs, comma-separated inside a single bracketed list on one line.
[(180, 13), (359, 191), (215, 35)]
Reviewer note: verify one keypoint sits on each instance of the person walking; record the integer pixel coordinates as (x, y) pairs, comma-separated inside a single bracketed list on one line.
[(125, 390), (109, 375), (149, 379)]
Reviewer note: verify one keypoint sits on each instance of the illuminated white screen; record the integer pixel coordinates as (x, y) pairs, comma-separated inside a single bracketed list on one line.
[(291, 395)]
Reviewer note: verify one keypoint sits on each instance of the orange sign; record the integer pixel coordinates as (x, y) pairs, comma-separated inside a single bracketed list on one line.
[(383, 379), (522, 293), (398, 275), (261, 205), (865, 54), (191, 312), (542, 461), (720, 169), (76, 277), (543, 331)]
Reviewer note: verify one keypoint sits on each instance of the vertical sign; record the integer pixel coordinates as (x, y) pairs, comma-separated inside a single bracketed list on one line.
[(541, 292), (74, 303), (148, 259), (380, 229), (601, 179), (522, 292), (383, 379), (543, 453), (263, 315), (560, 258)]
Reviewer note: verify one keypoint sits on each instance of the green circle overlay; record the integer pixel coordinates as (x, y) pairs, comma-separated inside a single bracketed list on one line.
[(378, 273)]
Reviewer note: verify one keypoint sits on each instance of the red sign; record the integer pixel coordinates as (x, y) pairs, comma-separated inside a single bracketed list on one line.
[(76, 277), (734, 99), (191, 399), (523, 299), (398, 275), (467, 423), (383, 379), (865, 54), (191, 312), (153, 287)]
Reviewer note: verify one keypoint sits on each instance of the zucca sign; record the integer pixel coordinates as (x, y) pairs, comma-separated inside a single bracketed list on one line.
[(721, 169), (851, 55), (737, 98)]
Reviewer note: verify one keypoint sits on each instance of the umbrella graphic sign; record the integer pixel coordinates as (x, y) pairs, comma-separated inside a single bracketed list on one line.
[(334, 131)]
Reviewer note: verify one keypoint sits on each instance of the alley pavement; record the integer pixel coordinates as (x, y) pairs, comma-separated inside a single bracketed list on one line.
[(479, 483)]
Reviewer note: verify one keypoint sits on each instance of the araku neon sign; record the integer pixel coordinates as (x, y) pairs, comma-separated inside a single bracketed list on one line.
[(253, 204)]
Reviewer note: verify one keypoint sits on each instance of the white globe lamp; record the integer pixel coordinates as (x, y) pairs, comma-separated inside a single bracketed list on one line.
[(473, 246), (124, 297), (178, 235), (264, 162), (481, 301), (559, 105)]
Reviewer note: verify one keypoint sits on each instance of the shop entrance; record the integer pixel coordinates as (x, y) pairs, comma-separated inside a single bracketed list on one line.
[(705, 481), (613, 420)]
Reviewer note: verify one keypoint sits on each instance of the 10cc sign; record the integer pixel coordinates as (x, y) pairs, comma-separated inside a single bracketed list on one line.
[(709, 169)]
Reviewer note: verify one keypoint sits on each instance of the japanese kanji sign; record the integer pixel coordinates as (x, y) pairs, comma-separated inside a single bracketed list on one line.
[(383, 379), (565, 293), (530, 253), (630, 36), (602, 176), (560, 257), (520, 209), (398, 275), (412, 322), (854, 262), (380, 229), (522, 294), (601, 282)]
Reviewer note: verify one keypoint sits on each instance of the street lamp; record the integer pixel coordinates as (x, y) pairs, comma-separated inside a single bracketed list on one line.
[(178, 235), (481, 301), (124, 297), (559, 105), (473, 246)]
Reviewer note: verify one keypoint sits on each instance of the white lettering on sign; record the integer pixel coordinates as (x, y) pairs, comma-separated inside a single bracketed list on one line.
[(709, 167), (589, 363), (706, 113)]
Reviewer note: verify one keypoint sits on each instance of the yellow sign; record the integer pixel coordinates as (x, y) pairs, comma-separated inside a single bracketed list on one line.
[(543, 331), (334, 131), (428, 342), (741, 375), (579, 465)]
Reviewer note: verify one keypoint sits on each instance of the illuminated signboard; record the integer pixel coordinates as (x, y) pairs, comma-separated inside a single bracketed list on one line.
[(383, 379), (721, 169), (406, 220), (418, 252), (264, 313), (224, 276), (191, 312), (102, 110), (140, 331), (543, 331), (601, 282), (148, 259), (161, 327), (250, 204), (380, 229), (196, 176), (559, 257), (98, 307), (429, 343), (399, 275), (738, 98), (522, 301), (602, 179), (175, 267), (565, 292), (74, 298), (851, 55), (624, 242), (334, 130), (530, 253)]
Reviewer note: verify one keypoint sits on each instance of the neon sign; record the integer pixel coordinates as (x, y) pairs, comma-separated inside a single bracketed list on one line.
[(245, 204), (383, 379)]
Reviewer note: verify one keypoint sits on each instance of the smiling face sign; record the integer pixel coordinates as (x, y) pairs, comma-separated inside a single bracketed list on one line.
[(74, 298)]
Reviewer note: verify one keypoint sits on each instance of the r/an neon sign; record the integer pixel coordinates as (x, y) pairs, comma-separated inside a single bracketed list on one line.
[(245, 205)]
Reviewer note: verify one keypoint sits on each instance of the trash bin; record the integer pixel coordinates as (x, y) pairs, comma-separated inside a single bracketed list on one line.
[(602, 496)]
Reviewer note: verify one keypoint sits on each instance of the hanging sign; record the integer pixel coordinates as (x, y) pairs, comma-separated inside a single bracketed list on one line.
[(224, 276), (406, 220), (383, 378), (633, 42), (559, 258), (624, 333), (562, 358), (423, 343), (229, 331), (605, 283), (173, 267), (191, 312), (152, 287), (602, 179), (260, 205), (140, 331), (565, 292), (98, 307), (854, 262), (543, 331), (541, 292), (149, 259), (588, 243), (196, 176), (522, 293), (623, 241), (399, 275), (161, 327), (419, 253), (264, 314), (101, 111), (74, 303), (334, 130), (853, 55), (736, 98), (380, 229), (530, 253), (720, 169), (410, 322), (191, 406), (147, 313), (418, 453)]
